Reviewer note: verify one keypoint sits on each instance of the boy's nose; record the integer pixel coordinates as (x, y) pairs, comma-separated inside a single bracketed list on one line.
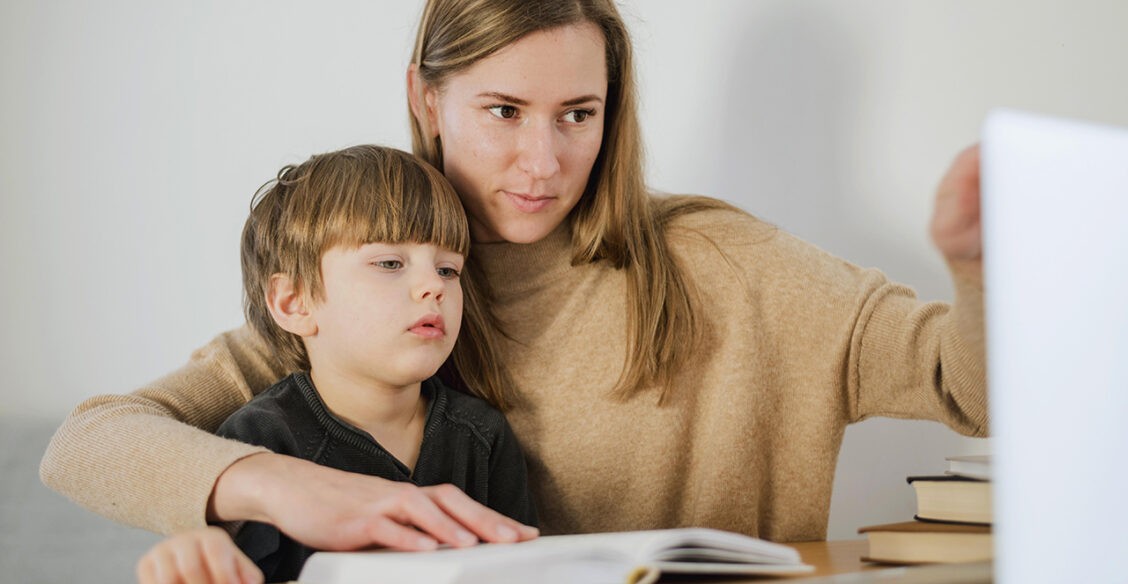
[(431, 288)]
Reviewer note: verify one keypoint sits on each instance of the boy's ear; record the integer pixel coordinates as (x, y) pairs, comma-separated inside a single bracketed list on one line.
[(289, 307), (421, 99)]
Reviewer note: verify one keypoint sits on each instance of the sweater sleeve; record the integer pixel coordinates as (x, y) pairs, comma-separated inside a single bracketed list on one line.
[(149, 459), (822, 323), (910, 359)]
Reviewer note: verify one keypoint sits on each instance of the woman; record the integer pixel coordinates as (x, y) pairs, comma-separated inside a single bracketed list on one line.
[(664, 361)]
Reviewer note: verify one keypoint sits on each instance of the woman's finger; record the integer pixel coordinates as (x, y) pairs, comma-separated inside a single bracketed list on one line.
[(386, 532), (488, 524), (412, 506)]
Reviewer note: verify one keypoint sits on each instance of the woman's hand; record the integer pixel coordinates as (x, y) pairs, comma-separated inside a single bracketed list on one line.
[(200, 556), (330, 509), (956, 229)]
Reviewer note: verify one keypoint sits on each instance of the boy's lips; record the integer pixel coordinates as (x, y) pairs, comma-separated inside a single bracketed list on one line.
[(429, 327)]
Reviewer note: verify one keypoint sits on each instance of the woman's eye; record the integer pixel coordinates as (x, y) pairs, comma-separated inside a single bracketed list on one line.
[(447, 273), (389, 264), (505, 112), (578, 116)]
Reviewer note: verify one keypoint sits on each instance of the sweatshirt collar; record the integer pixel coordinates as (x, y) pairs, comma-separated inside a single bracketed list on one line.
[(511, 267)]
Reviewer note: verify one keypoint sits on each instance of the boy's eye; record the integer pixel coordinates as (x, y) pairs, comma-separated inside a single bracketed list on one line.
[(388, 264), (506, 112), (447, 273)]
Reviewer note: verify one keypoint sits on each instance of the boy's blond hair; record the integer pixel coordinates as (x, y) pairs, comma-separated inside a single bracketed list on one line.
[(351, 197)]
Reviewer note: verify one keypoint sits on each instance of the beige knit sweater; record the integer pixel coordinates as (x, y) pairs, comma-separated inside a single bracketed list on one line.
[(799, 344)]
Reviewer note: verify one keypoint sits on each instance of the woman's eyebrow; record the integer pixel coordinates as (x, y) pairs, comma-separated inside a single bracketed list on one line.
[(503, 97), (499, 96), (583, 99)]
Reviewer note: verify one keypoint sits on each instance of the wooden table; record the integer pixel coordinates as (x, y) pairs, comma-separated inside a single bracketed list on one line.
[(834, 557), (841, 562)]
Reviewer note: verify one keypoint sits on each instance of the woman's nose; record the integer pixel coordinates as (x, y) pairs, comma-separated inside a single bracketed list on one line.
[(537, 156)]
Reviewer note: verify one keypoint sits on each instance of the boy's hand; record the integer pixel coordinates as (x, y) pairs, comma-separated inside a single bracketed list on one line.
[(330, 509), (200, 556)]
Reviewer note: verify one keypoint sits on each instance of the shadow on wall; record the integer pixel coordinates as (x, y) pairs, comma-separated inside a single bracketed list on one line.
[(795, 83), (45, 538), (794, 89)]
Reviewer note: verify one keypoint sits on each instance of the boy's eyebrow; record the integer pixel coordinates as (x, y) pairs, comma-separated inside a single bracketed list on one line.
[(518, 101)]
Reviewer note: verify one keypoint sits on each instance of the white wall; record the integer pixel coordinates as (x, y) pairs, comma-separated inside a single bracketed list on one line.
[(134, 134)]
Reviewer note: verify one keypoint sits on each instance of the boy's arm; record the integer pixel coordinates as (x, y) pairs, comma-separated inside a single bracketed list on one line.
[(148, 459)]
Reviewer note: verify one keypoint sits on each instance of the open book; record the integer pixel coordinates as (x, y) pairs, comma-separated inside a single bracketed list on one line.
[(634, 557)]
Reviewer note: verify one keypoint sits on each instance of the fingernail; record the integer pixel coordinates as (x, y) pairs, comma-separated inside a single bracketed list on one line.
[(465, 538), (506, 533), (426, 543)]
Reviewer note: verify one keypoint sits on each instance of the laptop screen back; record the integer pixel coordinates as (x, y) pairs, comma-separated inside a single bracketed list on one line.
[(1055, 227)]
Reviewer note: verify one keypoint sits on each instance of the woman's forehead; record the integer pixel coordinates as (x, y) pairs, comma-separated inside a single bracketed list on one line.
[(553, 65)]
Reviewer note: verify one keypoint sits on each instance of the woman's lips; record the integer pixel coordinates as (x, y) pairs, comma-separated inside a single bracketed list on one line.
[(529, 203)]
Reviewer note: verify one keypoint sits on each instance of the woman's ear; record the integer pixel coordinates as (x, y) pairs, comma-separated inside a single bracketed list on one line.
[(289, 307), (421, 99)]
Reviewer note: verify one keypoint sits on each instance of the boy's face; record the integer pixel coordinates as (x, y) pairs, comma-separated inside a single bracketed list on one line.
[(389, 315)]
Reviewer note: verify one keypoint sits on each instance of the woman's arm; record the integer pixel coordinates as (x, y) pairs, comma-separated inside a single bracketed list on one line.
[(148, 459), (946, 343), (326, 508), (958, 234)]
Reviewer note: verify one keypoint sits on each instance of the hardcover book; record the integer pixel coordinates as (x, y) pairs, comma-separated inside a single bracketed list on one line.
[(917, 542), (952, 498)]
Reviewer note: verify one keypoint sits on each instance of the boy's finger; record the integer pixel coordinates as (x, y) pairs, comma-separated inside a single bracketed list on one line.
[(189, 562), (220, 558), (164, 566), (146, 570), (248, 571)]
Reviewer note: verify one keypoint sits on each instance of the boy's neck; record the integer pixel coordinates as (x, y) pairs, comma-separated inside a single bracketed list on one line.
[(393, 415)]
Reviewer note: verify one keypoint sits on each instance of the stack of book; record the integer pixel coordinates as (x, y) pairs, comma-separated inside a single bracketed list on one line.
[(952, 522)]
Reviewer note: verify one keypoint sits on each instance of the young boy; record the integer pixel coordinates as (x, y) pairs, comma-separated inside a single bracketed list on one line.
[(351, 269)]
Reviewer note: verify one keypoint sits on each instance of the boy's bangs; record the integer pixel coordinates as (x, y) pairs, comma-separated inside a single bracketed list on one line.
[(414, 205)]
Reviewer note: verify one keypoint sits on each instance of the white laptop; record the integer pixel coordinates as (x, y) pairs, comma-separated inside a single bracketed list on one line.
[(1055, 227)]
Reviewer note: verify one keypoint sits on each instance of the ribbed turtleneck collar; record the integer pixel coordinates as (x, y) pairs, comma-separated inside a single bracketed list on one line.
[(516, 267)]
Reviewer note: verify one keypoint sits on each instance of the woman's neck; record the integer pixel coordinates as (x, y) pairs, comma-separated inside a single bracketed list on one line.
[(530, 264)]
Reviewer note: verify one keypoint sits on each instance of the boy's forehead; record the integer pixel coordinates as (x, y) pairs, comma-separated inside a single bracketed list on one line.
[(377, 245)]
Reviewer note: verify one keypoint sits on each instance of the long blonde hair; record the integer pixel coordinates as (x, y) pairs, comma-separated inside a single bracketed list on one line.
[(616, 220)]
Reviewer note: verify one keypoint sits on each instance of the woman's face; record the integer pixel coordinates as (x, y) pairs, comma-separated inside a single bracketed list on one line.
[(521, 129)]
